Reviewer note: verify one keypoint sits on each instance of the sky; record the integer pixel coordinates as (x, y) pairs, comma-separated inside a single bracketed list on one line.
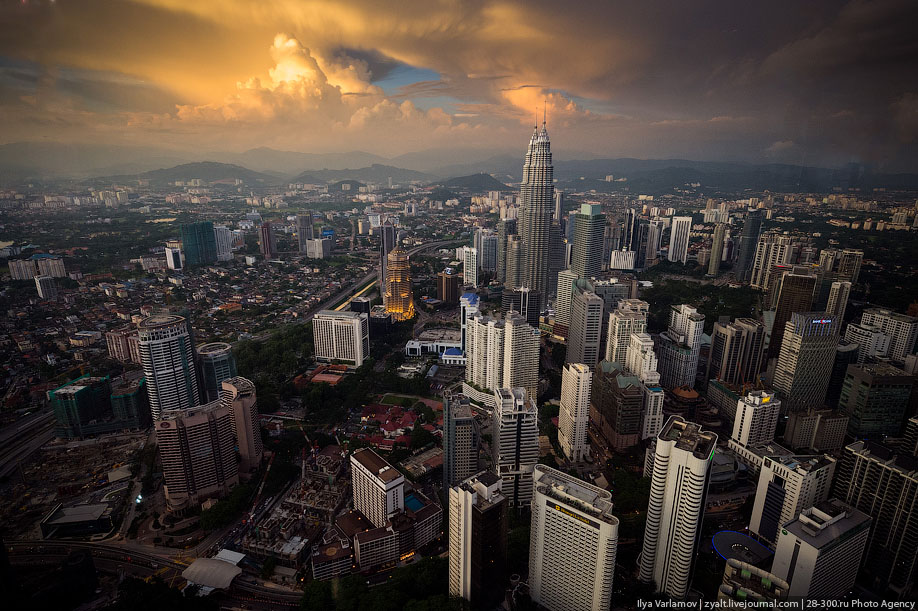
[(817, 82)]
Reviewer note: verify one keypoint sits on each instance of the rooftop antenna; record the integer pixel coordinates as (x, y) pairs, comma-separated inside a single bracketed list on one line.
[(535, 123), (544, 111)]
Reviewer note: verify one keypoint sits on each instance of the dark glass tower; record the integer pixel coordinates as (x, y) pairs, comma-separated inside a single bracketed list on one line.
[(752, 229), (199, 243), (537, 194)]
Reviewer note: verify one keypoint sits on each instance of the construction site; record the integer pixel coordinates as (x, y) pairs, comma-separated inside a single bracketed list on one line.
[(65, 477)]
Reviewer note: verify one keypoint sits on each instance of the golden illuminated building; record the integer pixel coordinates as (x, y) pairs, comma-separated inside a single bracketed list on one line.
[(399, 298)]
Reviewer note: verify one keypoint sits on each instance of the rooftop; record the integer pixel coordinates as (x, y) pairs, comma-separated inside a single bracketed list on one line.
[(211, 573), (376, 464), (730, 544), (803, 464), (827, 522), (586, 498), (340, 314), (688, 436), (214, 348), (160, 320)]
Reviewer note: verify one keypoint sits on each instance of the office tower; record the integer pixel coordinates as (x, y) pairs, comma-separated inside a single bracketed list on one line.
[(794, 295), (717, 249), (505, 229), (216, 363), (558, 257), (379, 489), (536, 199), (589, 226), (772, 249), (574, 413), (198, 453), (617, 401), (79, 404), (129, 402), (239, 394), (736, 351), (523, 301), (817, 430), (50, 265), (884, 485), (341, 336), (46, 286), (399, 297), (566, 280), (838, 299), (223, 241), (846, 353), (679, 238), (119, 345), (468, 307), (559, 206), (585, 333), (266, 241), (870, 340), (478, 523), (652, 411), (622, 259), (448, 286), (173, 258), (319, 248), (387, 242), (628, 221), (167, 356), (630, 317), (680, 346), (516, 443), (805, 363), (901, 329), (572, 543), (304, 230), (749, 239), (22, 269), (788, 485), (681, 469), (486, 245), (875, 398), (746, 585), (819, 553), (514, 262), (640, 358), (909, 444), (460, 440), (470, 267), (484, 342), (521, 356), (843, 265), (639, 243), (756, 418), (199, 243)]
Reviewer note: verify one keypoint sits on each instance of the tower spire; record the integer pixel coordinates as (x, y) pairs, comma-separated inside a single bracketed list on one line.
[(544, 111)]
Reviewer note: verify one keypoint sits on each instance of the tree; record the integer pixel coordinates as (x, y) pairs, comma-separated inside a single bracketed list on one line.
[(317, 596), (267, 567)]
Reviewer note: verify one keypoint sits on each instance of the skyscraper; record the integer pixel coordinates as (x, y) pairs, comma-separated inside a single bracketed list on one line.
[(468, 308), (772, 249), (884, 485), (617, 400), (589, 225), (223, 237), (167, 356), (901, 329), (399, 297), (838, 299), (573, 543), (681, 469), (266, 240), (341, 336), (805, 363), (585, 335), (820, 551), (484, 342), (630, 317), (752, 229), (304, 230), (516, 443), (736, 351), (795, 294), (521, 356), (460, 440), (197, 448), (680, 347), (717, 249), (787, 486), (679, 239), (199, 243), (386, 244), (505, 229), (46, 287), (536, 195), (566, 280), (448, 286), (379, 489), (478, 519), (486, 245), (239, 394), (875, 398), (574, 413), (216, 363), (756, 418), (470, 267)]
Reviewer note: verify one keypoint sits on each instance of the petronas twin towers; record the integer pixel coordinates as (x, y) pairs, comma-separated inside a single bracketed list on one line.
[(537, 195)]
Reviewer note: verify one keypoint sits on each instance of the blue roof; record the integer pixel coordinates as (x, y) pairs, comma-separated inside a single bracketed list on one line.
[(452, 352), (43, 255), (470, 297)]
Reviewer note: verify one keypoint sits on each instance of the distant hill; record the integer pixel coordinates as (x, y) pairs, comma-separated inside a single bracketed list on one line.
[(376, 173), (474, 182), (353, 186), (208, 171)]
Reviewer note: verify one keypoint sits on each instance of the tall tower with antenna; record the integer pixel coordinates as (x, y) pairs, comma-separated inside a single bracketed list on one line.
[(537, 200)]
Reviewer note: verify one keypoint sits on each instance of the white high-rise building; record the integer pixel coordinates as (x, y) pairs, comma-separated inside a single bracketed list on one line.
[(870, 339), (470, 267), (239, 394), (573, 542), (566, 280), (901, 329), (341, 336), (679, 238), (820, 552), (167, 355), (516, 443), (787, 486), (521, 355), (772, 249), (652, 416), (379, 489), (680, 346), (630, 317), (574, 413), (173, 258), (678, 491), (756, 418), (46, 286), (585, 334), (484, 366), (468, 308), (838, 299), (224, 239), (641, 360)]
